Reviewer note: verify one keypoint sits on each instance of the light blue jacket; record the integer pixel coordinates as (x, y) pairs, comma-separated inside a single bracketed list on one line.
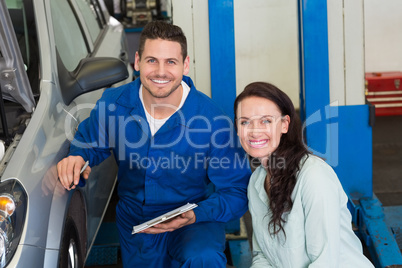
[(197, 145), (318, 228)]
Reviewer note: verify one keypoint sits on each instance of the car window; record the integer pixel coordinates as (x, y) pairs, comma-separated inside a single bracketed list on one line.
[(69, 38), (91, 18), (99, 12), (16, 10)]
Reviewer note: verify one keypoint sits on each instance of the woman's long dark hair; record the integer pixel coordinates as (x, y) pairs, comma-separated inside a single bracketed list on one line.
[(290, 151)]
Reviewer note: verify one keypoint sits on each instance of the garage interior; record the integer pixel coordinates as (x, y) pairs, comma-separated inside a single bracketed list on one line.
[(387, 180)]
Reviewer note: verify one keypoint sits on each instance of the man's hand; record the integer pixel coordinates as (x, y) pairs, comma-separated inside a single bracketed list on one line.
[(183, 219), (69, 170), (50, 183)]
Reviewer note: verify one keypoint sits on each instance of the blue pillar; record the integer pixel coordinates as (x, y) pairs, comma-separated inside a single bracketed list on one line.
[(340, 134), (223, 63), (314, 69), (222, 53)]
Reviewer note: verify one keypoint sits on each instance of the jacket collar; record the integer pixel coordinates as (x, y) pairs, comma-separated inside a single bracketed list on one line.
[(130, 99), (130, 96)]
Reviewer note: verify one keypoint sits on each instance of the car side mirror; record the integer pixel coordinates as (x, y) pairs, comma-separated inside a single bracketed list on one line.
[(91, 74)]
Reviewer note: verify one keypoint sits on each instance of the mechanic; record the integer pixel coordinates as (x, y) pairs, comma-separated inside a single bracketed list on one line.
[(169, 141)]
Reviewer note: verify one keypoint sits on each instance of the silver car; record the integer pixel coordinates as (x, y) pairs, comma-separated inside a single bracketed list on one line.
[(56, 58)]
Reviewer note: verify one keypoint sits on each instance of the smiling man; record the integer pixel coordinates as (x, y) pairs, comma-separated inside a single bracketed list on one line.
[(153, 126)]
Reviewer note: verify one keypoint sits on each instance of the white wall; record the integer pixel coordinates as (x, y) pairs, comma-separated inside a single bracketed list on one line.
[(346, 51), (192, 17), (363, 36), (383, 35), (266, 41)]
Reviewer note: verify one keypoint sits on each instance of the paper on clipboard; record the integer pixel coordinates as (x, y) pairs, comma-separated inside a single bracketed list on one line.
[(164, 217)]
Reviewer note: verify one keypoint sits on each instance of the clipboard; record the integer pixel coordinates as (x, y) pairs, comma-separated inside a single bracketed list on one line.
[(163, 217)]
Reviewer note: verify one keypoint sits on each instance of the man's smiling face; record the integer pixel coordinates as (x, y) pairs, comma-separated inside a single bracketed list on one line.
[(161, 68)]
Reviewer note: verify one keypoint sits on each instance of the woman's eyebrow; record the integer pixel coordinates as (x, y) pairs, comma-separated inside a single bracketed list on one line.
[(257, 116), (272, 116)]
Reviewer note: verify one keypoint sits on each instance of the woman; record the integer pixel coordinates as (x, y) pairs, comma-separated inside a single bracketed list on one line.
[(298, 207)]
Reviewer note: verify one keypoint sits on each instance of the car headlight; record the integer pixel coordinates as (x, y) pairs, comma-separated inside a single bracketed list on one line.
[(13, 204)]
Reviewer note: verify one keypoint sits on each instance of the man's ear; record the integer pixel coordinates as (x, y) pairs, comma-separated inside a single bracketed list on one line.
[(137, 62), (186, 66)]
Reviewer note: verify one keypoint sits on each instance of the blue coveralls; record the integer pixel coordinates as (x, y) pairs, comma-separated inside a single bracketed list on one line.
[(196, 146)]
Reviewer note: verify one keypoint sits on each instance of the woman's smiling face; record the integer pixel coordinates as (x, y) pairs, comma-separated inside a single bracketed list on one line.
[(260, 126)]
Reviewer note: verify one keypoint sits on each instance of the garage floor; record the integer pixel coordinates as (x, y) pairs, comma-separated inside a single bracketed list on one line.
[(387, 168), (387, 160)]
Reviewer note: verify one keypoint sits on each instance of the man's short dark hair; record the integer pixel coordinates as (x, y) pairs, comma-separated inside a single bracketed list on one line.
[(163, 30)]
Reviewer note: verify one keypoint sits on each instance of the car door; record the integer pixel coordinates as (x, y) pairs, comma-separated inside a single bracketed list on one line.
[(81, 31)]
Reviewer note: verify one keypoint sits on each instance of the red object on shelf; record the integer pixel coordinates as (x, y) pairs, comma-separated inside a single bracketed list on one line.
[(384, 91)]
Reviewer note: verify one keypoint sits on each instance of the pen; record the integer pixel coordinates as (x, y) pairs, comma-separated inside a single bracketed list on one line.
[(82, 170)]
